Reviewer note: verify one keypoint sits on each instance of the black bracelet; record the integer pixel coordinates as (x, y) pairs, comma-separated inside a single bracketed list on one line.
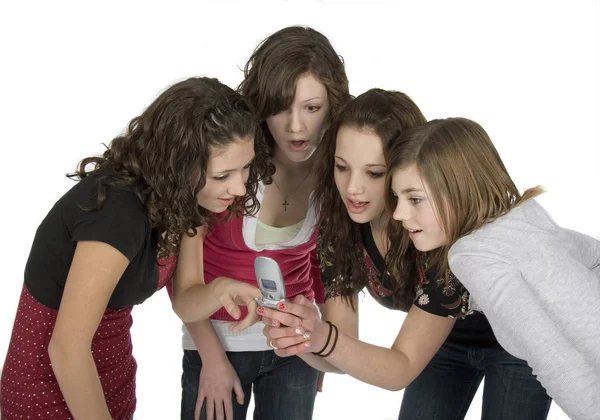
[(328, 338), (334, 343)]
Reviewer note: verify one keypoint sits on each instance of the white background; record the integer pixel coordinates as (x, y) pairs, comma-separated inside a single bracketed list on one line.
[(74, 73)]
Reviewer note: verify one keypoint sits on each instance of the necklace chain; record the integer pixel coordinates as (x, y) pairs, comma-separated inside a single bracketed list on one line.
[(286, 203)]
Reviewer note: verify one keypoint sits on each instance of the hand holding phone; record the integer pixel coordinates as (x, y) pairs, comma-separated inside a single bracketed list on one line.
[(270, 282)]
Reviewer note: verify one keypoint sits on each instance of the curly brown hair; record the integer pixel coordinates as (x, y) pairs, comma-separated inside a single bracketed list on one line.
[(164, 152), (273, 69), (387, 114)]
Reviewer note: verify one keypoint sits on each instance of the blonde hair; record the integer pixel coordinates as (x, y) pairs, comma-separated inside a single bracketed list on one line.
[(469, 184)]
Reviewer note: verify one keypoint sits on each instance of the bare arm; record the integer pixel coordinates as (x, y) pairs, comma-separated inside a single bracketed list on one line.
[(194, 301), (420, 336), (94, 274)]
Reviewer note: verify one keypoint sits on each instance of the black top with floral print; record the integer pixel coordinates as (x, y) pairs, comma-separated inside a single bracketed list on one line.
[(433, 295)]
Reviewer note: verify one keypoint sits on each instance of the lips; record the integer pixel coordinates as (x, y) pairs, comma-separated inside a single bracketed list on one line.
[(226, 201), (298, 145), (412, 233), (357, 207)]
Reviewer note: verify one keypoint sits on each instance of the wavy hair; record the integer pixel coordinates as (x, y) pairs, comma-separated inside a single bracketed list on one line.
[(467, 179), (164, 153), (273, 69), (387, 114)]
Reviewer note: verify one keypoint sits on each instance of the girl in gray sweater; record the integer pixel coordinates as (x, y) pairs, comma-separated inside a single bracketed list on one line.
[(537, 283)]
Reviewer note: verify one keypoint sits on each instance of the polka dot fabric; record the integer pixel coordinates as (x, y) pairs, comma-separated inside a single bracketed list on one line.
[(28, 388)]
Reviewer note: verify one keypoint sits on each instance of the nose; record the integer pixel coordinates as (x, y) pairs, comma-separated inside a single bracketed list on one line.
[(238, 185), (400, 213), (295, 124), (355, 185)]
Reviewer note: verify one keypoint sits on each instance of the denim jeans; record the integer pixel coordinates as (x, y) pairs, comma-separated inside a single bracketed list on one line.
[(445, 389), (284, 387)]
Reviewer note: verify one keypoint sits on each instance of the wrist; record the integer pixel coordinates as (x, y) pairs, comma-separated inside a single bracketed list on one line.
[(217, 286), (214, 357), (320, 336), (332, 338)]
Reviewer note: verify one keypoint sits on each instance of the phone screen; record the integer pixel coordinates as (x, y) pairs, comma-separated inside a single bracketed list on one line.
[(269, 284)]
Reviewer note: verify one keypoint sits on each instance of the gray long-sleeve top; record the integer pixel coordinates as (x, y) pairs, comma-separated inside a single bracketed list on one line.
[(539, 286)]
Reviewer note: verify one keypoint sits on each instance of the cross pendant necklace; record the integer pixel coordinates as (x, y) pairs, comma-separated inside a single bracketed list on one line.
[(286, 203)]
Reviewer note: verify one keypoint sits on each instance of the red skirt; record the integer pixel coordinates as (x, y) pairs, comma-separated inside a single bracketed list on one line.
[(29, 389)]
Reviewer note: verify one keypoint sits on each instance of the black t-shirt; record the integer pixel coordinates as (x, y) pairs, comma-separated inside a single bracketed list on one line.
[(432, 295), (121, 222)]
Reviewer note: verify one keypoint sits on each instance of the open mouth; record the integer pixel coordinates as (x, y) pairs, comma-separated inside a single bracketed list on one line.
[(357, 206), (412, 233), (298, 145)]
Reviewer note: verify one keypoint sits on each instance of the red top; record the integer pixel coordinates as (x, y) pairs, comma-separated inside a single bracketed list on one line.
[(226, 255)]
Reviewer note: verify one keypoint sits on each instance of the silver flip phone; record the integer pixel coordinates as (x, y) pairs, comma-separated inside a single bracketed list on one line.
[(270, 282)]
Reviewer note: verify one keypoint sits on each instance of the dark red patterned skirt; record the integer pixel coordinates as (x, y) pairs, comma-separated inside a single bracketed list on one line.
[(28, 388)]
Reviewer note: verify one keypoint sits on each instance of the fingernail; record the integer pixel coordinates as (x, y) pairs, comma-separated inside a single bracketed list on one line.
[(306, 335), (280, 306), (261, 310)]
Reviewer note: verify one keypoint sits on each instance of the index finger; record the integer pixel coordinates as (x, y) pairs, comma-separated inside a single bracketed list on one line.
[(248, 321), (301, 307), (281, 317)]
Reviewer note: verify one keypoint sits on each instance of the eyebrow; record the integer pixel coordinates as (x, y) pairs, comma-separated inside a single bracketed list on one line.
[(409, 190), (310, 99), (369, 165)]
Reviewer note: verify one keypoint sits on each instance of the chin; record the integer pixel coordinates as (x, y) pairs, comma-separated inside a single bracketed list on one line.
[(360, 218), (425, 248), (301, 156)]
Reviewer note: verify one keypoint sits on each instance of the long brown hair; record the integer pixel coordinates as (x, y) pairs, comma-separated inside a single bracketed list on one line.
[(387, 114), (273, 69), (468, 181), (164, 152)]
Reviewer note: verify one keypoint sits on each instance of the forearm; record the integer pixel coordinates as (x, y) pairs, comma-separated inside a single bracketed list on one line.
[(79, 383), (382, 367), (207, 342), (197, 302), (319, 363)]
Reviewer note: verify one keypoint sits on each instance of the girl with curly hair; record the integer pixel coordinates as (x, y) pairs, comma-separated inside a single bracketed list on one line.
[(297, 83), (134, 220)]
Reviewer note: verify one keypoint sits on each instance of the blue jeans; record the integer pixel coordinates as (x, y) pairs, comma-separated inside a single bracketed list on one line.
[(445, 389), (284, 387)]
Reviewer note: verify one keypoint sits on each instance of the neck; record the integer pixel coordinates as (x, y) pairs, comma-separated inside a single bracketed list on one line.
[(282, 162), (378, 225)]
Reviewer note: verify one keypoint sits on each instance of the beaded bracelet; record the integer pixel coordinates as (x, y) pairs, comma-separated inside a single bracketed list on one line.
[(328, 338)]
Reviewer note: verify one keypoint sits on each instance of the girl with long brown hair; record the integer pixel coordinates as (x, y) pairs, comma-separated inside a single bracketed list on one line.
[(297, 83)]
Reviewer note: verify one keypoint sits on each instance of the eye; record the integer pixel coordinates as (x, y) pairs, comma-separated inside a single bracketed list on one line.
[(247, 166), (221, 177), (340, 168), (375, 175), (415, 200), (313, 108)]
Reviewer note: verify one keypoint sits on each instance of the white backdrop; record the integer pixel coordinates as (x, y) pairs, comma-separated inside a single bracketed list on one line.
[(75, 73)]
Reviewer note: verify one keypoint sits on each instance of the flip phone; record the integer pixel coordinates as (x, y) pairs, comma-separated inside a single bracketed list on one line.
[(270, 282)]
